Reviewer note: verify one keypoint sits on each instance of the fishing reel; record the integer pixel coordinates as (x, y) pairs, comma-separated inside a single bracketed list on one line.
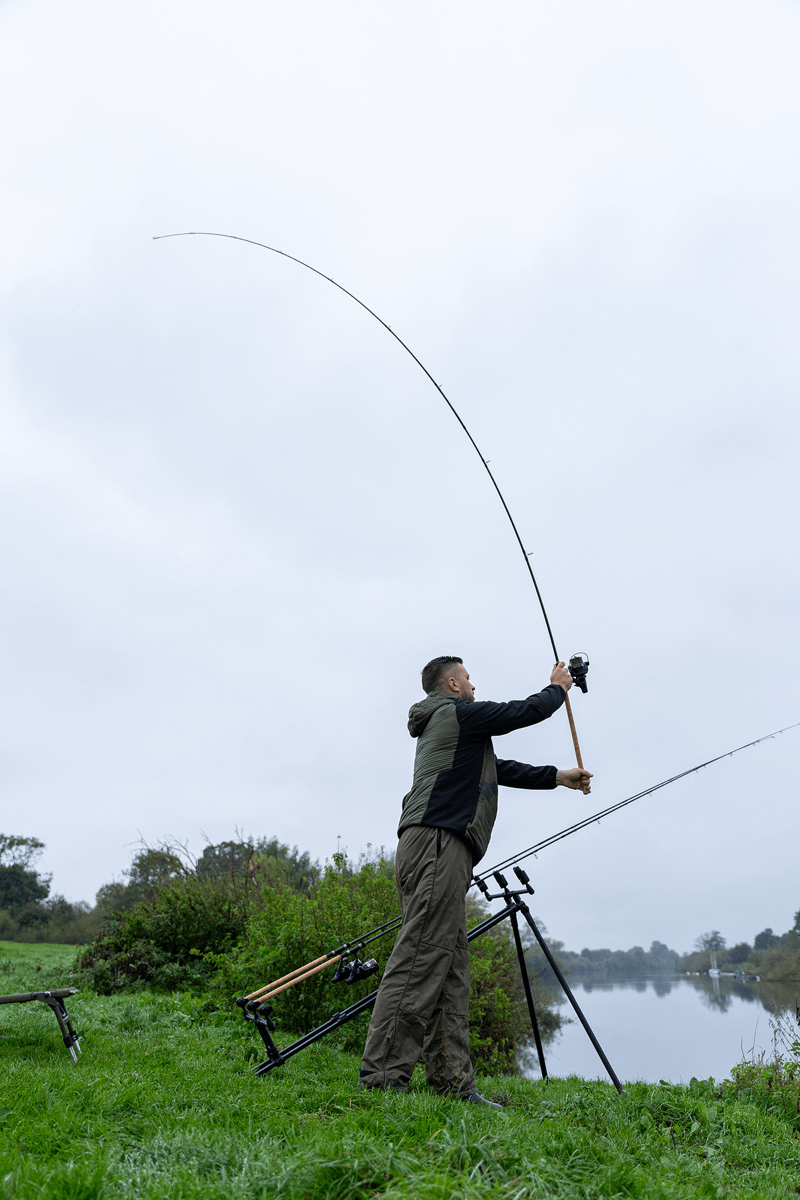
[(578, 669), (354, 970)]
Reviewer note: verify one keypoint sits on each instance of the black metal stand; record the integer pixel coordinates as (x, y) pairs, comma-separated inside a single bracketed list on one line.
[(55, 1001), (514, 897), (261, 1014)]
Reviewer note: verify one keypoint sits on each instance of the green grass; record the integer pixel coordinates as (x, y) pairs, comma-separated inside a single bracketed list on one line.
[(32, 957), (162, 1105)]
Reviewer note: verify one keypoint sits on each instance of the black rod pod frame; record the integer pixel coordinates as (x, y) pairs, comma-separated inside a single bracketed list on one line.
[(55, 1001), (261, 1014), (520, 906)]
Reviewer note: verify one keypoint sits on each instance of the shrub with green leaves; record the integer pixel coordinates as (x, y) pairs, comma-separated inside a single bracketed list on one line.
[(292, 928), (233, 922), (773, 1084)]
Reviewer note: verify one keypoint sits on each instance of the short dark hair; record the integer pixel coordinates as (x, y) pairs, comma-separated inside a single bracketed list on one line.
[(433, 673)]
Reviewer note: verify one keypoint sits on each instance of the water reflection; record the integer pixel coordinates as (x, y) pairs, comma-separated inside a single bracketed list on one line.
[(713, 993), (669, 1026)]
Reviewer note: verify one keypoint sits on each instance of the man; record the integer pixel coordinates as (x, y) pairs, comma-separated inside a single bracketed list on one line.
[(445, 826)]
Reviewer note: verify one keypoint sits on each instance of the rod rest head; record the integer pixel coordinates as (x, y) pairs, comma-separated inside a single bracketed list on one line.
[(523, 877), (265, 1012)]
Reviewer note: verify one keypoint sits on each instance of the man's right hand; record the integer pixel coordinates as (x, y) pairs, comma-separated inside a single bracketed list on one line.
[(575, 778), (561, 676)]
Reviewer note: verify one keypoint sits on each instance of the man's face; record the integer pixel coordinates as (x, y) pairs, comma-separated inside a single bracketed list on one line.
[(459, 684)]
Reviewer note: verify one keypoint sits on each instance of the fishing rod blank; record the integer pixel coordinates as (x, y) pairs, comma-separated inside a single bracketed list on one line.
[(301, 973), (557, 837), (325, 960), (525, 554)]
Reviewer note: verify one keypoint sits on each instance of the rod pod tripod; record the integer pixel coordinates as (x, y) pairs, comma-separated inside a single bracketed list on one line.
[(261, 1014), (514, 905)]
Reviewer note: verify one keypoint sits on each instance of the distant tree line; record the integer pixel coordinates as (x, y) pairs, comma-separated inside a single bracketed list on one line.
[(776, 956), (605, 966), (28, 912)]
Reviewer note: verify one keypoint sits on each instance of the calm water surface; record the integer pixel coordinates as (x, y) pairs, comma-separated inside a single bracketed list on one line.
[(667, 1028)]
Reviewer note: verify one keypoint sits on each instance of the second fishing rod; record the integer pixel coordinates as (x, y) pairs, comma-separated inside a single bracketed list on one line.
[(355, 969)]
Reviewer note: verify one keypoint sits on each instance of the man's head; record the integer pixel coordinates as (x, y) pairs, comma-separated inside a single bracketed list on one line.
[(447, 674)]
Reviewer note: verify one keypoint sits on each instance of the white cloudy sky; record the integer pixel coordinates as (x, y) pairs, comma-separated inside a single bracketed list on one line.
[(237, 519)]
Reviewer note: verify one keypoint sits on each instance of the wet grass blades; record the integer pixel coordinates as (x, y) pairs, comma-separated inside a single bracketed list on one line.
[(162, 1105)]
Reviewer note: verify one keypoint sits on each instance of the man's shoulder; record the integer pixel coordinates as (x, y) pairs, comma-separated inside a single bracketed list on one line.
[(429, 710)]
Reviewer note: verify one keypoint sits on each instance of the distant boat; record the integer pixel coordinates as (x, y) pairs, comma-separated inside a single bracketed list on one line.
[(714, 970)]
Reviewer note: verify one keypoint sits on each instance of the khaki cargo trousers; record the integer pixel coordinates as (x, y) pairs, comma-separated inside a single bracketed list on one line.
[(423, 1000)]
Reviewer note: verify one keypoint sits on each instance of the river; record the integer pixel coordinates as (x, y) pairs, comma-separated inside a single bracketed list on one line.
[(668, 1027)]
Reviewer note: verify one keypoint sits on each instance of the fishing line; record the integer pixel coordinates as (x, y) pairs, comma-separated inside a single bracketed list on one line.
[(525, 554)]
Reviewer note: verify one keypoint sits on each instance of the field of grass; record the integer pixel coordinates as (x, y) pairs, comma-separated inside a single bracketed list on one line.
[(162, 1105), (33, 957)]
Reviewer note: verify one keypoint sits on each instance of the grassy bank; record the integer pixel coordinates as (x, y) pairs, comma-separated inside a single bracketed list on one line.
[(162, 1105)]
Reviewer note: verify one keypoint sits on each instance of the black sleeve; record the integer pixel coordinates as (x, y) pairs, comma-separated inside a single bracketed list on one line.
[(520, 775), (485, 718)]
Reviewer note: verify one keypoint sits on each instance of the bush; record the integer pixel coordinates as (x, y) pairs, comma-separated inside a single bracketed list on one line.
[(781, 962), (773, 1084), (173, 911), (162, 941), (291, 928), (231, 925)]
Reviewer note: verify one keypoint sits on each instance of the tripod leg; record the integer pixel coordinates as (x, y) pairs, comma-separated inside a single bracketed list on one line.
[(527, 986), (64, 1024), (546, 950)]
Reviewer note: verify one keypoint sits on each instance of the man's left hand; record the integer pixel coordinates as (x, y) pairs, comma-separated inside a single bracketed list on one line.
[(575, 778)]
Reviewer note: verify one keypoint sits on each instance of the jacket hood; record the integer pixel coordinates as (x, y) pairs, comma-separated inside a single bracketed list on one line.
[(419, 714)]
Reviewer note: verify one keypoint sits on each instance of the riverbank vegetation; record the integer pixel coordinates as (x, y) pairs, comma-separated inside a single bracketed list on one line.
[(245, 902), (162, 1106), (246, 913), (163, 1103), (774, 957)]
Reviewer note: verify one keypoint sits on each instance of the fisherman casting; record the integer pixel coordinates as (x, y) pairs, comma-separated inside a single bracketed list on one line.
[(446, 822)]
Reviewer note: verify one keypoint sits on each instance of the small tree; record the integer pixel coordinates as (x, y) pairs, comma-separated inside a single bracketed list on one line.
[(21, 886), (710, 941), (19, 851)]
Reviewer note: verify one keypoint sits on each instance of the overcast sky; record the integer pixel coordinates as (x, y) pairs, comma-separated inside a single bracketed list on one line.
[(237, 518)]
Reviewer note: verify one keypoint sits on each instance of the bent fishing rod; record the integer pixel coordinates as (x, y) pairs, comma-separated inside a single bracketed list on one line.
[(578, 670), (380, 931)]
